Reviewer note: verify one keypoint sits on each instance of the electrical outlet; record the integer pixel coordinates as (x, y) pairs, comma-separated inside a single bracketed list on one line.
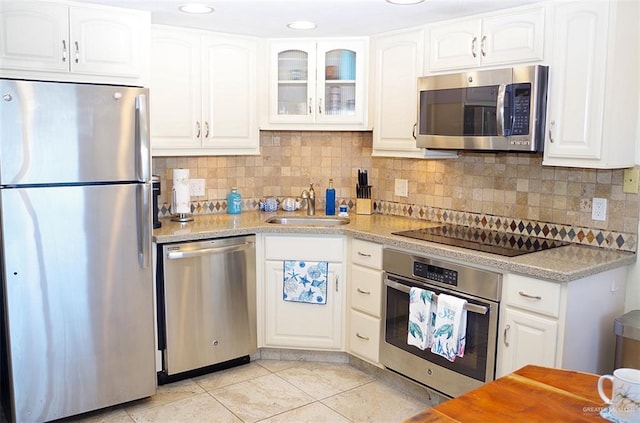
[(630, 181), (599, 209), (196, 187), (402, 187)]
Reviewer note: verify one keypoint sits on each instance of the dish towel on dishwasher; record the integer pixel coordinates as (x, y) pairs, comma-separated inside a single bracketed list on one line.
[(305, 281), (450, 328), (421, 315)]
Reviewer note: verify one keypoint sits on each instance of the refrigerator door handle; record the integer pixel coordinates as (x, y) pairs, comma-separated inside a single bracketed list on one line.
[(143, 224), (143, 160)]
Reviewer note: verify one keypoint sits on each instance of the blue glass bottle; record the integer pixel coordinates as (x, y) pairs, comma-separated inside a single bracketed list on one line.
[(234, 201), (330, 200)]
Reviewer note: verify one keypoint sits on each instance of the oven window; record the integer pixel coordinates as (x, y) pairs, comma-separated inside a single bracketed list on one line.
[(474, 362), (459, 111)]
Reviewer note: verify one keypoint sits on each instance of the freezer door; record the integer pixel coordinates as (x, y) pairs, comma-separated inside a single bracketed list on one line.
[(54, 132), (79, 304)]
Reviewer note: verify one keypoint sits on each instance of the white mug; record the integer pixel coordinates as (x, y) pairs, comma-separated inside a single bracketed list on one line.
[(290, 204), (624, 403)]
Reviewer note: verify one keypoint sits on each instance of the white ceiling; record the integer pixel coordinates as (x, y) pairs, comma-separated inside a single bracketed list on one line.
[(268, 18)]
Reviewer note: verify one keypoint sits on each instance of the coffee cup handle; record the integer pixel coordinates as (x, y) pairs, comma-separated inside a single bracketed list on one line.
[(601, 379)]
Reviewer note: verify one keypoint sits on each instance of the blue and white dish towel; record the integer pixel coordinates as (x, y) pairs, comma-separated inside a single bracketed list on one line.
[(305, 281), (450, 328), (421, 315)]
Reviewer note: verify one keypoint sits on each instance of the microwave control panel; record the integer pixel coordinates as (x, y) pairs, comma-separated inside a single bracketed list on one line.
[(518, 109)]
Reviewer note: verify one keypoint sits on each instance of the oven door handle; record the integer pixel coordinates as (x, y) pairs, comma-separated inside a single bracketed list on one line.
[(474, 308)]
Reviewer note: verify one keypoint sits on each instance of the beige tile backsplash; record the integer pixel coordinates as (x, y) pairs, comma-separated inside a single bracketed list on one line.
[(512, 185)]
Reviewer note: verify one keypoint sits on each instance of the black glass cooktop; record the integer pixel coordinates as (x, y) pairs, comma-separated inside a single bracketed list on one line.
[(495, 242)]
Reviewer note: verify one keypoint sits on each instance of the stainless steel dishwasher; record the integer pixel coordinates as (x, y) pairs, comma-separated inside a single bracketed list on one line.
[(206, 305)]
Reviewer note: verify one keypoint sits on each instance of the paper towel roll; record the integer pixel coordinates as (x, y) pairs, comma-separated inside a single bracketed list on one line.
[(181, 197)]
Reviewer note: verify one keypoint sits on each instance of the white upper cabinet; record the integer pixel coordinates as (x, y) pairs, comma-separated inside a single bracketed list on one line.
[(398, 62), (204, 93), (61, 41), (594, 85), (317, 84), (513, 37)]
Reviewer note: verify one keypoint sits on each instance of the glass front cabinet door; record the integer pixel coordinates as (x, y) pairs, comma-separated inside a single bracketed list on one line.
[(318, 83)]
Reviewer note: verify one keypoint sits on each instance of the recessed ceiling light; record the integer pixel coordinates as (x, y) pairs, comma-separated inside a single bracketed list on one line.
[(302, 25), (195, 8), (404, 1)]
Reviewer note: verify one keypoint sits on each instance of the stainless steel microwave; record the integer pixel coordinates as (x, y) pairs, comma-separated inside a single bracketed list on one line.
[(488, 110)]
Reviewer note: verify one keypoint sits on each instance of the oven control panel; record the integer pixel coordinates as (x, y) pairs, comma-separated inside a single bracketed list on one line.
[(435, 273)]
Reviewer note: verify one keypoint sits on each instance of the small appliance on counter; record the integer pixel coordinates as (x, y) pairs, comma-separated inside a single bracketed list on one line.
[(155, 189)]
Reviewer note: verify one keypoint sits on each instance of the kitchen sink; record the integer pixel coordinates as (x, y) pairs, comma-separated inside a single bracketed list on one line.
[(308, 220)]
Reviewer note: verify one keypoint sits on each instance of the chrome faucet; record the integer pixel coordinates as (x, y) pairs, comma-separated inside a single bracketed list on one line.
[(310, 197)]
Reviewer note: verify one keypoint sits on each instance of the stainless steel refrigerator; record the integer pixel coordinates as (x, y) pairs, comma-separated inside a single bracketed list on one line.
[(75, 210)]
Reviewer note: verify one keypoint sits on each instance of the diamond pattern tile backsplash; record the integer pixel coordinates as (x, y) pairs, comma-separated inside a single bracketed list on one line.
[(507, 192)]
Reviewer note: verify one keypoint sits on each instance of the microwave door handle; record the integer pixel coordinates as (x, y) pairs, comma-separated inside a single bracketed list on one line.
[(500, 113)]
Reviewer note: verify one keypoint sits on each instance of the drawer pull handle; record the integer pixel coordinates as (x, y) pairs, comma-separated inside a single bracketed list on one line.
[(361, 254), (365, 338), (533, 297), (363, 292), (504, 335)]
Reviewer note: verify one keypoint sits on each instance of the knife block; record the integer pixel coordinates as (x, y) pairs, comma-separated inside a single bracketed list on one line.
[(364, 206)]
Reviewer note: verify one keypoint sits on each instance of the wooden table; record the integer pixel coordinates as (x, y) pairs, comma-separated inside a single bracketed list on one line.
[(531, 394)]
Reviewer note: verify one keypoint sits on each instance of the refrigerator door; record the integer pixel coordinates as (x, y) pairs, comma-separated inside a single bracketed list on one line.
[(79, 304), (55, 132)]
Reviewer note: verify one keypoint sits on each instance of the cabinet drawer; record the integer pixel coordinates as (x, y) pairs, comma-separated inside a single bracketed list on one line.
[(364, 336), (365, 290), (303, 248), (366, 253), (533, 294)]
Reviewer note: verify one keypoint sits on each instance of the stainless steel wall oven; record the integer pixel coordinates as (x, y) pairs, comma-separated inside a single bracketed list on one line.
[(481, 289)]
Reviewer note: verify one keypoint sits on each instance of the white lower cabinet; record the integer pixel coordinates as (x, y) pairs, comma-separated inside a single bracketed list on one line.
[(566, 325), (364, 326), (528, 338), (289, 324)]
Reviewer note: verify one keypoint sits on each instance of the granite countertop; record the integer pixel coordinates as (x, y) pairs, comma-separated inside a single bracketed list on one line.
[(562, 264)]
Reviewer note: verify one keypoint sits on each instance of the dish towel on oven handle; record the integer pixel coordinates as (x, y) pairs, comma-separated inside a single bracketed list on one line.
[(421, 315), (305, 281), (450, 328)]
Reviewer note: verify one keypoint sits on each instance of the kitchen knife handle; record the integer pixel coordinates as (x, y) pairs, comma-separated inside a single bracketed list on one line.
[(142, 138), (143, 200)]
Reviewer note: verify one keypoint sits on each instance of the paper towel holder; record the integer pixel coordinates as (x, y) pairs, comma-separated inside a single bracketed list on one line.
[(180, 217)]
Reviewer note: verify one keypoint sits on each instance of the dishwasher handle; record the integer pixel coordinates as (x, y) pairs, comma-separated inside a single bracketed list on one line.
[(171, 255)]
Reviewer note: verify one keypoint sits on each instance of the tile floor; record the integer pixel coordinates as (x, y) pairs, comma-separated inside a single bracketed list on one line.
[(277, 391)]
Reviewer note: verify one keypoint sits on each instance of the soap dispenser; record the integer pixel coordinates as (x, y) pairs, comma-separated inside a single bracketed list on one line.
[(330, 200), (234, 201)]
